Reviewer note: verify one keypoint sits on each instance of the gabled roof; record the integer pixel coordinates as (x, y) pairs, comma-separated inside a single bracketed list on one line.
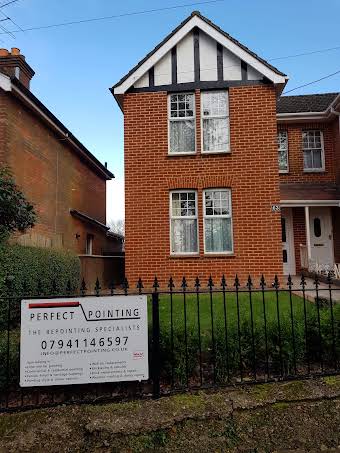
[(306, 103), (197, 20)]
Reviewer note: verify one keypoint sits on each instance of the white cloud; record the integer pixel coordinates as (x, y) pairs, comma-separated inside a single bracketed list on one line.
[(115, 209)]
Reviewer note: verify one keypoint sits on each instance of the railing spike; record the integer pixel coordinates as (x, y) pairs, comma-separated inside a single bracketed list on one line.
[(329, 279), (197, 283), (249, 283), (171, 284), (289, 282), (83, 287), (126, 286), (210, 283), (184, 284), (155, 284), (237, 282), (303, 281), (276, 283), (223, 282), (112, 287), (97, 287), (140, 285), (262, 282)]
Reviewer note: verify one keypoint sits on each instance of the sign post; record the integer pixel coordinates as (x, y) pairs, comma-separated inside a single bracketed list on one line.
[(83, 340)]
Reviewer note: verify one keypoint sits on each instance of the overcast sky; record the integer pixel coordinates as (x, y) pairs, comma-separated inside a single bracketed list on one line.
[(76, 65)]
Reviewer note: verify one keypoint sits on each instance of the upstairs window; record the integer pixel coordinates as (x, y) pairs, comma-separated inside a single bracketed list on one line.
[(215, 122), (282, 143), (183, 222), (182, 124), (313, 152), (217, 221)]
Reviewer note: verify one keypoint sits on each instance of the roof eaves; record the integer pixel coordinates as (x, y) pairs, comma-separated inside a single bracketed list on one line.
[(173, 32), (26, 92), (86, 218)]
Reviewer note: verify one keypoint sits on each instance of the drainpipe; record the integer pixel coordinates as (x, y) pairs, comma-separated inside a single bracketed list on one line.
[(309, 251)]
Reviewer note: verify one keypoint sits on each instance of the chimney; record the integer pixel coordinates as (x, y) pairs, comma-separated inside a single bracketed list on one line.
[(13, 64)]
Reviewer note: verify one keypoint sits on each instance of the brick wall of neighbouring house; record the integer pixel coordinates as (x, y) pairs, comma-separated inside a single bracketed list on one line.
[(250, 171), (52, 177), (299, 230), (295, 154)]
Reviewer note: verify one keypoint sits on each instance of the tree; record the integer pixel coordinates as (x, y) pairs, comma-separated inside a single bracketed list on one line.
[(16, 212), (117, 226)]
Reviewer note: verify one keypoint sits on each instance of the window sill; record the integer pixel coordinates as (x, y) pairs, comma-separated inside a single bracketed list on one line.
[(219, 255), (215, 152), (182, 154), (321, 170), (283, 172), (194, 255)]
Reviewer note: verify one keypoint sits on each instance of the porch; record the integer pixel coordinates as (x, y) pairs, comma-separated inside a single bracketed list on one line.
[(311, 233)]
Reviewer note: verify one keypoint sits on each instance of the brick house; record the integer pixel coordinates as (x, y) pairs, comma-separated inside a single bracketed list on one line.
[(66, 183), (203, 188)]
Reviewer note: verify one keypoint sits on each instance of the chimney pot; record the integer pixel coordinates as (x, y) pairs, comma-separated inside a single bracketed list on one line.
[(4, 52), (15, 51)]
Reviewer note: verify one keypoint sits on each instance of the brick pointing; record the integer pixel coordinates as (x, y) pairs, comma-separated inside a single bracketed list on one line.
[(250, 170)]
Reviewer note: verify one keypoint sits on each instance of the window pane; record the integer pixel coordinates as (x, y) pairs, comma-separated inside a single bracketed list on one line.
[(217, 202), (181, 105), (282, 139), (218, 235), (215, 103), (307, 159), (317, 162), (317, 227), (182, 136), (215, 134), (184, 235), (183, 204)]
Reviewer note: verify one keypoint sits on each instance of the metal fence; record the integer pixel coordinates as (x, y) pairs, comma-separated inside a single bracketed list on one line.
[(201, 334)]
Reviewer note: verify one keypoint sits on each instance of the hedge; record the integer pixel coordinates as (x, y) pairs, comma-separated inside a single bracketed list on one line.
[(33, 266)]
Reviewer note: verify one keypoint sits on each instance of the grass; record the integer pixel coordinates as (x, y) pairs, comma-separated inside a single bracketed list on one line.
[(231, 334)]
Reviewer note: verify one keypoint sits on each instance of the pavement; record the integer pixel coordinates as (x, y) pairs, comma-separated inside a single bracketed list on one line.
[(323, 289)]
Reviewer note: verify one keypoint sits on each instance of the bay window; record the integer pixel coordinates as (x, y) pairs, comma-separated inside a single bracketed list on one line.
[(215, 122), (282, 143), (217, 221), (182, 124), (313, 151), (183, 222)]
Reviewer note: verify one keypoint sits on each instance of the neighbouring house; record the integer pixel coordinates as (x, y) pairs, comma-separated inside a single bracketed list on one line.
[(203, 188), (64, 180)]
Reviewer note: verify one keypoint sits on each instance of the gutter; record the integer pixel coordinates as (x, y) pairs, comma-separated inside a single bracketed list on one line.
[(308, 116)]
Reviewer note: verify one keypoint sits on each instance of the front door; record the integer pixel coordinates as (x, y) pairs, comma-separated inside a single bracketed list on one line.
[(288, 255), (321, 236)]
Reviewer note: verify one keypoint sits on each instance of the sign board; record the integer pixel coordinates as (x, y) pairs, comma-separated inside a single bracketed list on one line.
[(276, 208), (83, 340)]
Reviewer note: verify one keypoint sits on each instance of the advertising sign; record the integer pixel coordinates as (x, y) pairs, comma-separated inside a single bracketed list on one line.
[(83, 340)]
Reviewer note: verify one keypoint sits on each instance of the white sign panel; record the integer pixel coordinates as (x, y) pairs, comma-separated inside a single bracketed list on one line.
[(83, 340)]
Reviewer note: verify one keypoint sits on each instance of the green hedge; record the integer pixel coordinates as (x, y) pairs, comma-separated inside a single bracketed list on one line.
[(30, 265)]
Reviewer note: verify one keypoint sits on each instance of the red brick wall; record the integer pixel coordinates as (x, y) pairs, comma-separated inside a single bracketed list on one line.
[(299, 230), (295, 154), (250, 171), (52, 176)]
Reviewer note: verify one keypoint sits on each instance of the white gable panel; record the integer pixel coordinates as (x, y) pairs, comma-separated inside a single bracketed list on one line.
[(143, 81), (208, 57), (163, 70), (253, 74), (231, 66), (185, 59)]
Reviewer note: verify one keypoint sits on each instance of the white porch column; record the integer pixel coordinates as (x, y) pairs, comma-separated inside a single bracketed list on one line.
[(309, 251)]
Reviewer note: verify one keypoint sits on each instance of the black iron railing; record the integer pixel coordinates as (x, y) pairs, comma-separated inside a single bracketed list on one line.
[(203, 335)]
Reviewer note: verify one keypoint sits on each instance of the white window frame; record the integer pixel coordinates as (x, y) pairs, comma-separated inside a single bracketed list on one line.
[(227, 151), (171, 217), (286, 133), (191, 118), (314, 170), (224, 216)]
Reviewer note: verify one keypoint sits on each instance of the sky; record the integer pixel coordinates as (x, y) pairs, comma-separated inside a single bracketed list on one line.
[(75, 65)]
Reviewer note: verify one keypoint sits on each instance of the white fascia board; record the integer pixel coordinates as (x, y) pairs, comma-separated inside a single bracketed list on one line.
[(302, 203), (5, 82), (219, 37)]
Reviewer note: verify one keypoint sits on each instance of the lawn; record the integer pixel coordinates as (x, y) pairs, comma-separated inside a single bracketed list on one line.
[(248, 339)]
